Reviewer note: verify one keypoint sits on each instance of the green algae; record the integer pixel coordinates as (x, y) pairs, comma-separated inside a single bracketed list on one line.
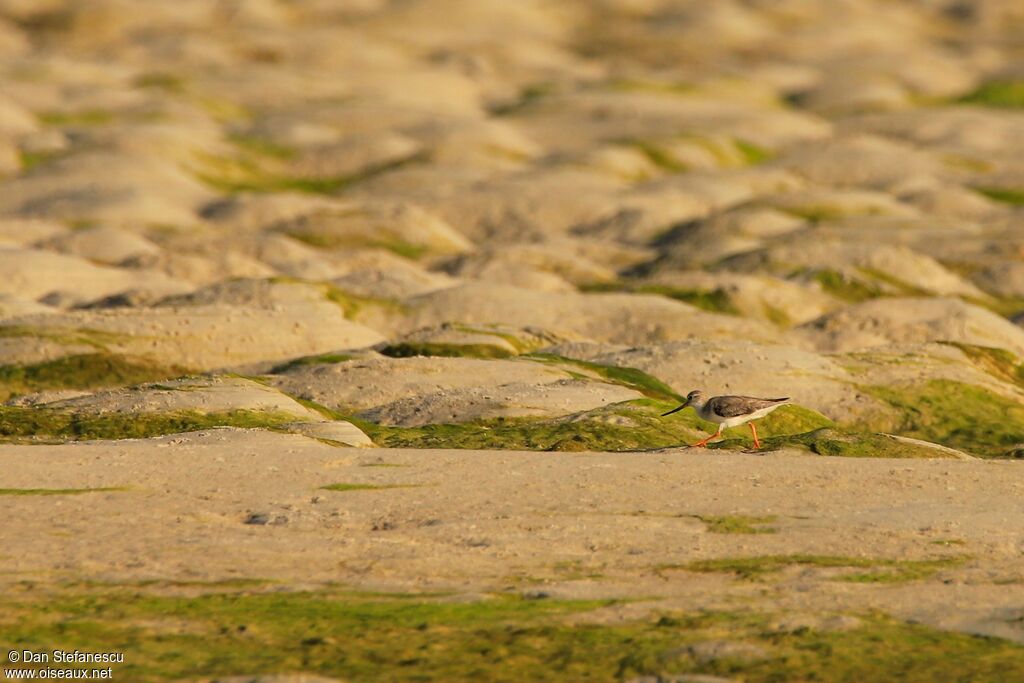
[(326, 240), (715, 300), (367, 487), (658, 156), (319, 359), (59, 492), (410, 637), (963, 416), (997, 362), (353, 304), (631, 378), (896, 286), (262, 166), (518, 343), (776, 315), (726, 153), (262, 146), (596, 431), (527, 97), (98, 339), (838, 442), (997, 94), (160, 80), (870, 284), (882, 570), (83, 371), (47, 424), (412, 349), (816, 213), (88, 117), (753, 154), (1006, 195), (739, 524), (31, 160), (629, 426), (846, 288)]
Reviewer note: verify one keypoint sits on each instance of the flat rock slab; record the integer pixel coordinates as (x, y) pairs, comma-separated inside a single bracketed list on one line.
[(473, 520), (422, 390), (203, 337), (203, 394)]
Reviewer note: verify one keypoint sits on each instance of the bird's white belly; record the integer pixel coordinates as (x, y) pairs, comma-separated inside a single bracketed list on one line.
[(729, 422)]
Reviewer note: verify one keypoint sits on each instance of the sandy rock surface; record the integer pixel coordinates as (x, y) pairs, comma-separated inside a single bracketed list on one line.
[(237, 238), (472, 521)]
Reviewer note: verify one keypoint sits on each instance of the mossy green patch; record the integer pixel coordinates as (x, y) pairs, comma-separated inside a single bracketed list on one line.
[(753, 154), (59, 492), (715, 300), (815, 213), (882, 570), (632, 378), (367, 487), (623, 427), (326, 240), (88, 117), (838, 442), (659, 156), (353, 304), (963, 416), (405, 638), (1006, 195), (84, 371), (997, 362), (776, 316), (997, 94), (222, 109), (865, 284), (45, 424), (412, 349), (527, 97), (262, 146), (522, 343), (790, 426), (98, 339), (842, 286), (318, 359), (31, 160), (739, 524), (629, 426), (894, 285), (1006, 306), (160, 80), (261, 166)]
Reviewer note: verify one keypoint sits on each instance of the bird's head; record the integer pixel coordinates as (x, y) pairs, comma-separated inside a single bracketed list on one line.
[(692, 398)]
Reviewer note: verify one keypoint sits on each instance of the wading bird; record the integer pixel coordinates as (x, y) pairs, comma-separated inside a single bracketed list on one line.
[(729, 411)]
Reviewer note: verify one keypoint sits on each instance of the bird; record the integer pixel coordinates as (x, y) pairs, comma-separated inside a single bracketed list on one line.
[(729, 411)]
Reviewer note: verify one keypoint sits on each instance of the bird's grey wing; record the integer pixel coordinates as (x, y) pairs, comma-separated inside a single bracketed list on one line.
[(734, 406)]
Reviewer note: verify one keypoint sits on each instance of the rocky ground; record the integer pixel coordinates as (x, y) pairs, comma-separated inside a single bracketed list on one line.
[(240, 240)]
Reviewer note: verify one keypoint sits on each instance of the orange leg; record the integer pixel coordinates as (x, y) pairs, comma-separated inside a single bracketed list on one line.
[(753, 429), (703, 442)]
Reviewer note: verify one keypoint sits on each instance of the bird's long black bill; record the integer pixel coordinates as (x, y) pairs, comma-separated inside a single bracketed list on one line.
[(675, 410)]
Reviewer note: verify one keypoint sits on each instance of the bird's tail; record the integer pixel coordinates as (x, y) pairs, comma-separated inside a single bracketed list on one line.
[(674, 410)]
